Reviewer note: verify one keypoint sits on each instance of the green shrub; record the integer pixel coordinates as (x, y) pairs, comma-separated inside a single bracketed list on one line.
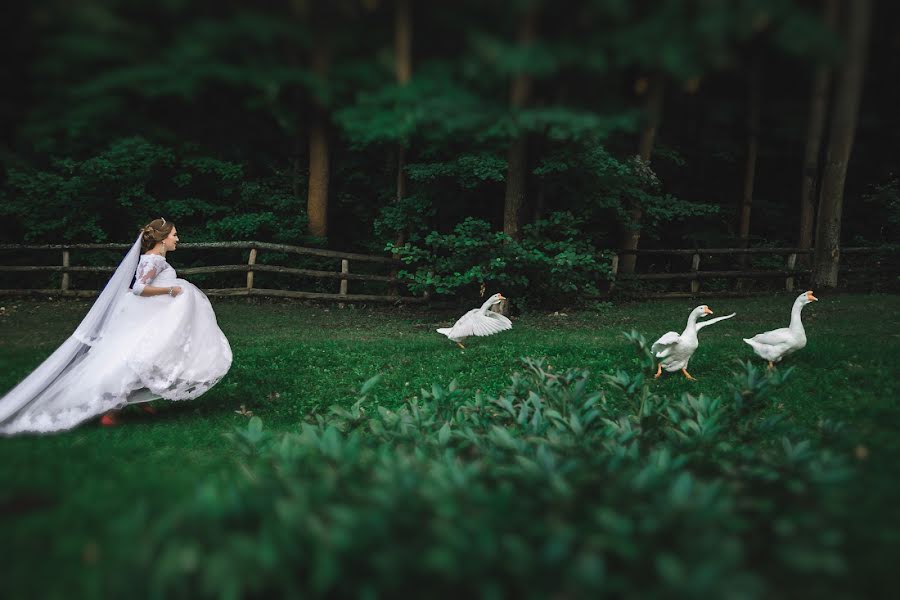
[(553, 263), (554, 488), (118, 189)]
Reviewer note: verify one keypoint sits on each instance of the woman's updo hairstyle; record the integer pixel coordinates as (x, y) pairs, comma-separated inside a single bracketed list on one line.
[(154, 232)]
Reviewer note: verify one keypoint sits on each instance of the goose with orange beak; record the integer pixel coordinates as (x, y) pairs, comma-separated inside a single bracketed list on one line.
[(478, 321), (778, 343), (675, 350)]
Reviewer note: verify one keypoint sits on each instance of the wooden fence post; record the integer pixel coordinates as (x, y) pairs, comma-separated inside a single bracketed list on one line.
[(250, 263), (695, 266), (345, 268), (64, 284), (789, 265)]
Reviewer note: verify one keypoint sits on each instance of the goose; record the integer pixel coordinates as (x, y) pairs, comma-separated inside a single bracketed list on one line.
[(478, 321), (676, 350), (778, 343)]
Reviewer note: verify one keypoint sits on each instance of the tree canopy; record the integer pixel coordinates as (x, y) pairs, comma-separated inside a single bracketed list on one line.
[(118, 112)]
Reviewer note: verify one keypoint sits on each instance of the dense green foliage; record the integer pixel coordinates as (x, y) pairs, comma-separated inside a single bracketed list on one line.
[(119, 112), (74, 499), (551, 487), (131, 176), (550, 265)]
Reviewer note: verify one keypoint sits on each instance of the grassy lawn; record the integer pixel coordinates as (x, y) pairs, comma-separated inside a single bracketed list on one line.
[(61, 496)]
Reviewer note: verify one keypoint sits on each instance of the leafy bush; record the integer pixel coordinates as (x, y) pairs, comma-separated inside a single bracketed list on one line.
[(552, 264), (552, 488), (133, 180), (408, 217), (603, 187)]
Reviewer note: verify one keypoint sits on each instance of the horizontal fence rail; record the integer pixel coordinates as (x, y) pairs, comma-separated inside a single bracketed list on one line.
[(343, 275), (695, 276), (776, 251), (789, 272)]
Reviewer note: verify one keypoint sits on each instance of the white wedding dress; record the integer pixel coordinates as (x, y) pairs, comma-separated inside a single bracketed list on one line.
[(128, 349)]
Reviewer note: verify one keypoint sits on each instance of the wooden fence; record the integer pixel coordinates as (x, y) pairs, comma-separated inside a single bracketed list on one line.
[(344, 276), (696, 276)]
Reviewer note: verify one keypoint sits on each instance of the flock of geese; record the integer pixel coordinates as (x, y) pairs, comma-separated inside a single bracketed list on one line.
[(674, 350)]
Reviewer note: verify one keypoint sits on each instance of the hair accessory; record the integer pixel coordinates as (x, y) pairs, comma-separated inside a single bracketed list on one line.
[(164, 222)]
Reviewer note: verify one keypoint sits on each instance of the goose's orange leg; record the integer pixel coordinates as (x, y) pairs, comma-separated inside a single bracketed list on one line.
[(688, 375), (658, 371), (460, 345)]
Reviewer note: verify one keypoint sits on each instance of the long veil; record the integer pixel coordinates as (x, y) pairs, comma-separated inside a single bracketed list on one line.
[(29, 394)]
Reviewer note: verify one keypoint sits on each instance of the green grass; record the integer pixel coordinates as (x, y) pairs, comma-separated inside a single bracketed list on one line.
[(61, 496)]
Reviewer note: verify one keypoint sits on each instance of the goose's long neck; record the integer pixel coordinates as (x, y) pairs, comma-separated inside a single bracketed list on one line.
[(796, 323), (691, 328), (485, 307)]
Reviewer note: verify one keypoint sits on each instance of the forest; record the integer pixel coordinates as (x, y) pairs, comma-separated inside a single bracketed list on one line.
[(482, 142)]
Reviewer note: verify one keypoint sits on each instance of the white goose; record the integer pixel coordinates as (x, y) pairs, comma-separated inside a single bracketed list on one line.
[(676, 350), (478, 321), (778, 343)]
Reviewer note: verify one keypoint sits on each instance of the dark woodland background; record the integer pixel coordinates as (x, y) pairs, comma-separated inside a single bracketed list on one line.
[(570, 127)]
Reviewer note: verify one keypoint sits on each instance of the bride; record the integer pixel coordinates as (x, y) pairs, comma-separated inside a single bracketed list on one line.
[(158, 339)]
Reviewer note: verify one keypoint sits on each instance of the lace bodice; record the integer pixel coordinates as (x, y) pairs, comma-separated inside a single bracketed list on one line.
[(152, 269)]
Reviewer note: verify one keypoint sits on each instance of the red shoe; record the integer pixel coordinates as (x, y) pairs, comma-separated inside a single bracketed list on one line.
[(109, 420)]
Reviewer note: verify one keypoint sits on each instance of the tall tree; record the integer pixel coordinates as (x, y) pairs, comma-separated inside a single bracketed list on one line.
[(403, 71), (317, 198), (653, 88), (818, 110), (754, 102), (844, 117), (517, 155)]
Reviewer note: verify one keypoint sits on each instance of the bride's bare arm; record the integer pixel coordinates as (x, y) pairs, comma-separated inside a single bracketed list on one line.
[(152, 290)]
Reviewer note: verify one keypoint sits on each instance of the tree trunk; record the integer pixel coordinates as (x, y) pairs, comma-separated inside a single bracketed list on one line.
[(818, 110), (517, 155), (753, 116), (403, 41), (403, 69), (840, 144), (653, 114), (403, 73), (297, 171), (516, 176), (653, 103), (317, 198), (540, 202)]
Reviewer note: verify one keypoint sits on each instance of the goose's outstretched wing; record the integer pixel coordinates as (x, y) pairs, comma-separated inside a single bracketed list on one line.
[(663, 346), (703, 324), (478, 323)]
